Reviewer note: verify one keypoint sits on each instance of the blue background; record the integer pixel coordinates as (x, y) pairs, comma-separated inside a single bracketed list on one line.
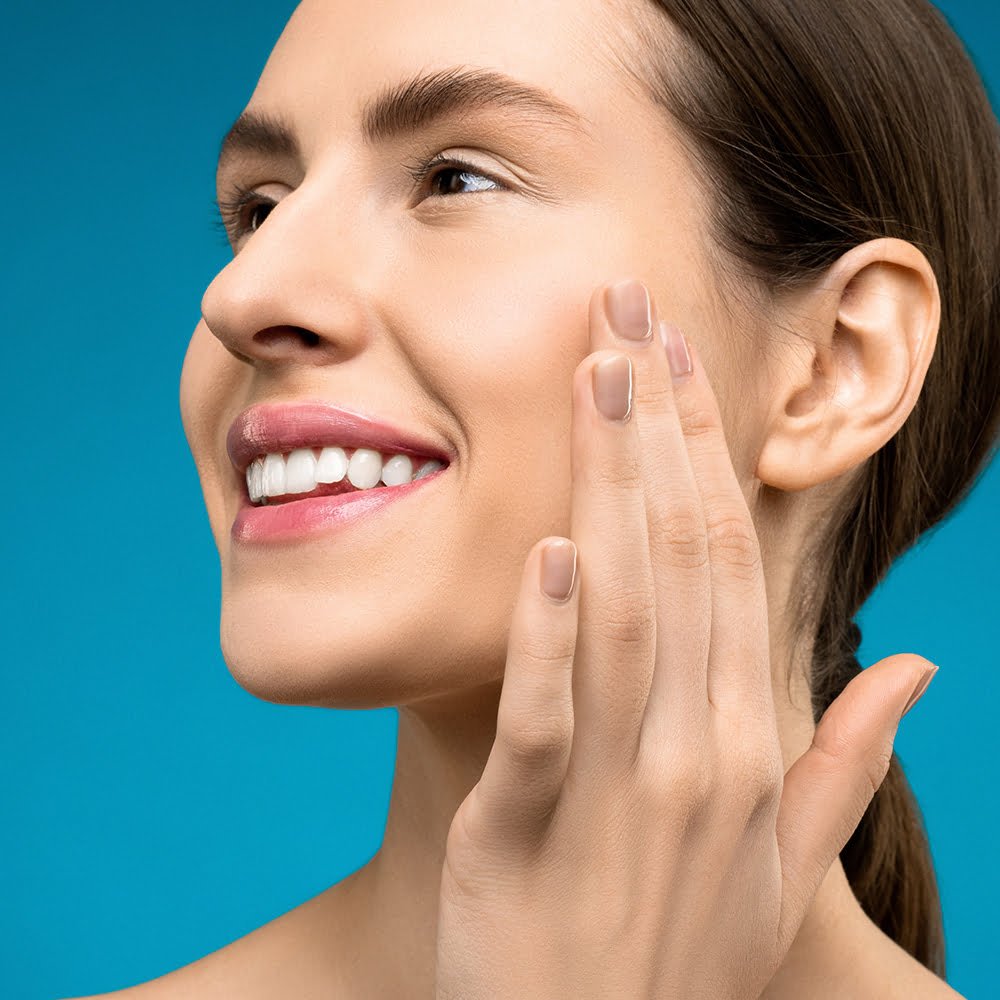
[(153, 811)]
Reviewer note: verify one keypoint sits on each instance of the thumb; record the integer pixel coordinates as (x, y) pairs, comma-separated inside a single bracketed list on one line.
[(827, 790)]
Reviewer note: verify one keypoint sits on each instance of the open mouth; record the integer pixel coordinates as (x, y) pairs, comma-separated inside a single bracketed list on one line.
[(289, 517)]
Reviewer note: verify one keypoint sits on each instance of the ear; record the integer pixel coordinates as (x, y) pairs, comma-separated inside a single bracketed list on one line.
[(868, 331)]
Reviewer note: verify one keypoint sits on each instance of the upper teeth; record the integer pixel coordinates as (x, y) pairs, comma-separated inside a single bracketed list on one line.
[(275, 475)]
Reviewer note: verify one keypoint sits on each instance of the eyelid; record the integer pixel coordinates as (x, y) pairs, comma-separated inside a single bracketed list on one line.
[(420, 168), (232, 208)]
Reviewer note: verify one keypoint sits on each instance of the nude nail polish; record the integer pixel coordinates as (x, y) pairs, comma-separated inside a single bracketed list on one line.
[(611, 382), (629, 310)]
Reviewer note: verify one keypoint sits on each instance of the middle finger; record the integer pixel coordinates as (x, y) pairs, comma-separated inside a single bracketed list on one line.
[(678, 542), (633, 497)]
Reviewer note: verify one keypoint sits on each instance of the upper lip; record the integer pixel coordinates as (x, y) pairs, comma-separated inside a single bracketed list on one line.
[(282, 427)]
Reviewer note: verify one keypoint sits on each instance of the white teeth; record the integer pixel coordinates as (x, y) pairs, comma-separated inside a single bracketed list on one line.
[(274, 476), (255, 479), (427, 468), (332, 465), (301, 471), (364, 469), (398, 470)]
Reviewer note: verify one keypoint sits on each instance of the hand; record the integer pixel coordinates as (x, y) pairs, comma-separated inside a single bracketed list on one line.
[(633, 834)]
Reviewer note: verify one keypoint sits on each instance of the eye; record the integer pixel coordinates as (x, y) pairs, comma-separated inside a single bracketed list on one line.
[(453, 174), (243, 213)]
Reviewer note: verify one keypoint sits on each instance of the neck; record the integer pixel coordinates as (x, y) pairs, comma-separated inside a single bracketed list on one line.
[(441, 752)]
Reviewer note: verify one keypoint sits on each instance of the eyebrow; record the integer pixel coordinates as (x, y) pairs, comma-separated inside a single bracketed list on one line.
[(411, 105)]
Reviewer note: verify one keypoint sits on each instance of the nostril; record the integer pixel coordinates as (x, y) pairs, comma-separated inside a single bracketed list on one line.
[(273, 336)]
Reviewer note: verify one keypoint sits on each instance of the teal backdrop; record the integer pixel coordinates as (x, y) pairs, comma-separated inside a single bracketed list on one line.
[(153, 810)]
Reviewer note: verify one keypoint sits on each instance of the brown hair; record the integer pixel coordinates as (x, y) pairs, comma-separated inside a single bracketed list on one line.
[(818, 126)]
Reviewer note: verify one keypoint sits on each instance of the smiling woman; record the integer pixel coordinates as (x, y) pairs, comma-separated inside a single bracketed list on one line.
[(651, 333)]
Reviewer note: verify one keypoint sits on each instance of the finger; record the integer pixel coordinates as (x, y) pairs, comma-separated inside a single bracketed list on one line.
[(675, 688), (527, 763), (617, 636), (827, 790), (676, 698), (739, 661)]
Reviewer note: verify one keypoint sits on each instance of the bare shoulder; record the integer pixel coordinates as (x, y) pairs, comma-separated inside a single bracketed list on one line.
[(295, 954), (851, 958), (909, 979), (922, 984)]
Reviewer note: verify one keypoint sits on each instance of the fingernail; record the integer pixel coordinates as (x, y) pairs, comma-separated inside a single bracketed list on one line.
[(611, 382), (675, 344), (558, 569), (628, 308), (920, 689)]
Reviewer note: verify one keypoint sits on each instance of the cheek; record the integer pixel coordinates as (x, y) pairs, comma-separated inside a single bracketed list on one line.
[(209, 390), (501, 306), (499, 311), (196, 399), (503, 329)]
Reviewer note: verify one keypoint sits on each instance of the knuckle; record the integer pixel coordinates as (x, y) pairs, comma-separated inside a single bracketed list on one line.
[(653, 395), (757, 777), (627, 617), (836, 744), (682, 533), (835, 738), (621, 474), (689, 786), (733, 540), (698, 420), (876, 767), (696, 791), (543, 648), (537, 741)]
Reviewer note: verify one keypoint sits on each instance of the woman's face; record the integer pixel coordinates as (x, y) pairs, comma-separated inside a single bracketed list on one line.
[(453, 307)]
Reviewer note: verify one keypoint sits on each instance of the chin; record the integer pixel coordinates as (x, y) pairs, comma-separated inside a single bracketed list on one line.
[(281, 660), (315, 670)]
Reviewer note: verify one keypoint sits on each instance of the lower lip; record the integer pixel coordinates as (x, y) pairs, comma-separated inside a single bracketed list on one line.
[(298, 518)]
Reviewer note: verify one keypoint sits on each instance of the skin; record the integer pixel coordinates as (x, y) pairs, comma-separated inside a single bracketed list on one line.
[(468, 317)]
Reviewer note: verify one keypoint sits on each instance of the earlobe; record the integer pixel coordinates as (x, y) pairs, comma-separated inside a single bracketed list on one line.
[(855, 375)]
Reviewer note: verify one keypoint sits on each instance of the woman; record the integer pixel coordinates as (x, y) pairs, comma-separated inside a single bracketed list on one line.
[(636, 340)]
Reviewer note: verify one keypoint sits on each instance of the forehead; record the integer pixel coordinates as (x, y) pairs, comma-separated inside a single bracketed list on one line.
[(334, 53)]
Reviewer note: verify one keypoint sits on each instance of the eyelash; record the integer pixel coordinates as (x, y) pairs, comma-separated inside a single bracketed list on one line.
[(235, 213)]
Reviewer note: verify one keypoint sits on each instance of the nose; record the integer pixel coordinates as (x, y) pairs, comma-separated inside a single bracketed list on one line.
[(292, 295)]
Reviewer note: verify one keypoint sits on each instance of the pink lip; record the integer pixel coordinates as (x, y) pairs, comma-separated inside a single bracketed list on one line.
[(282, 427), (290, 521)]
